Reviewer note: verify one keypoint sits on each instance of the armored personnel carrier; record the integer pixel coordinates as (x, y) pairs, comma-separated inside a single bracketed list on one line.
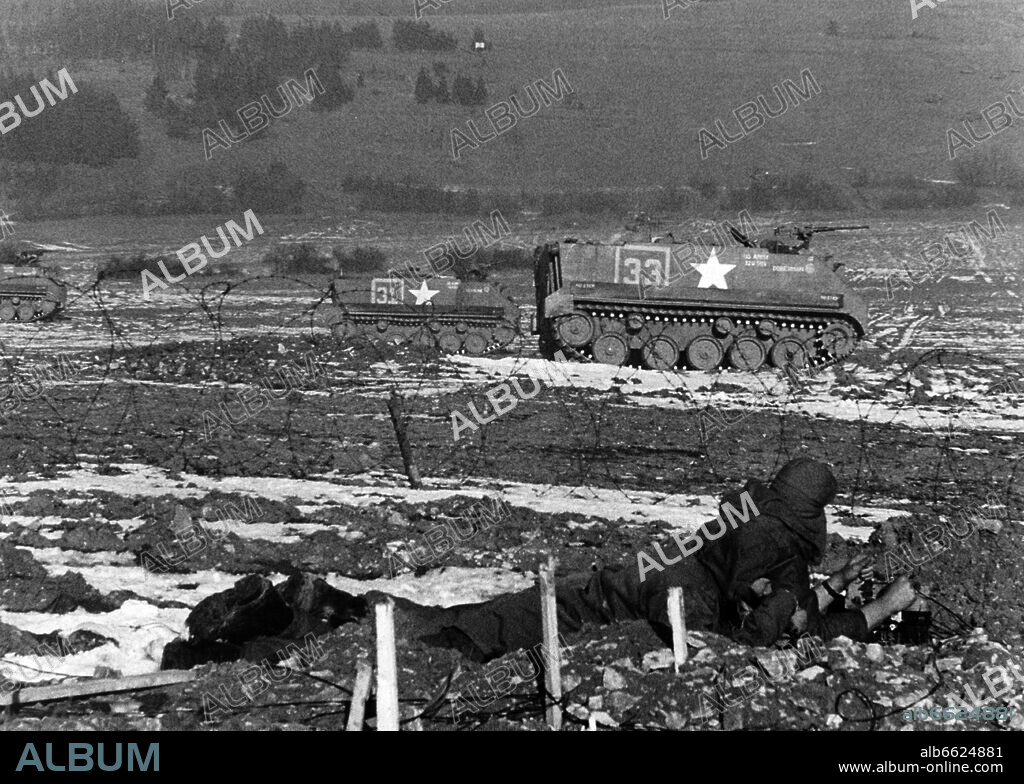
[(26, 298), (453, 315), (699, 307)]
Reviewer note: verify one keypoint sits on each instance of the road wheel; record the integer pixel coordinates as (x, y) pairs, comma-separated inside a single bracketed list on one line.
[(7, 310), (424, 339), (344, 329), (26, 311), (704, 353), (747, 354), (475, 343), (576, 330), (449, 341), (789, 352), (839, 340), (611, 350), (660, 353)]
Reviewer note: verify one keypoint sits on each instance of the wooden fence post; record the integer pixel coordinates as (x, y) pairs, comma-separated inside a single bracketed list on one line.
[(553, 655), (387, 667), (360, 693), (395, 408), (677, 617)]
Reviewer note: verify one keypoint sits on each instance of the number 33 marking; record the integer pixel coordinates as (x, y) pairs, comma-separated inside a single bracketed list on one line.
[(650, 269)]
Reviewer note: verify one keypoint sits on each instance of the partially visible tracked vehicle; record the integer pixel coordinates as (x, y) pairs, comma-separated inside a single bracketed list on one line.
[(455, 316), (669, 305), (25, 298)]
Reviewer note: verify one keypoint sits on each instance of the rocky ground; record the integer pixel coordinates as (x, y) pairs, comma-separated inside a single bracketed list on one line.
[(277, 443)]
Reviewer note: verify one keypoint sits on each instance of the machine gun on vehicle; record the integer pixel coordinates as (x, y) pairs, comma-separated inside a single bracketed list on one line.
[(789, 238), (28, 257), (25, 255)]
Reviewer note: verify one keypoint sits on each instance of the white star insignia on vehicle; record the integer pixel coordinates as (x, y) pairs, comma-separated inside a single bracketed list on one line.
[(712, 272), (423, 294)]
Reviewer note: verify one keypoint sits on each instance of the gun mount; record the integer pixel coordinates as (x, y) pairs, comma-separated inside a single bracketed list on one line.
[(789, 238)]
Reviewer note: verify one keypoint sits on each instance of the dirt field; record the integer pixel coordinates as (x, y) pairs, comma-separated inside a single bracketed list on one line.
[(241, 401)]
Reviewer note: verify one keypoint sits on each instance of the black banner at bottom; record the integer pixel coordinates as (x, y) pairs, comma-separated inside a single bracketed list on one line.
[(828, 756)]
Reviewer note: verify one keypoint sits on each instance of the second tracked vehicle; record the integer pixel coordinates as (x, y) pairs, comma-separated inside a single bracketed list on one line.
[(455, 316), (678, 305)]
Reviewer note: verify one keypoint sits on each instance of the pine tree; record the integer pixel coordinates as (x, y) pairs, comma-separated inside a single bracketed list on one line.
[(336, 91), (424, 87), (481, 91)]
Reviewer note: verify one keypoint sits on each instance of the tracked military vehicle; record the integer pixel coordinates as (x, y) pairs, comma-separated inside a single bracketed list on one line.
[(452, 315), (26, 298), (698, 307)]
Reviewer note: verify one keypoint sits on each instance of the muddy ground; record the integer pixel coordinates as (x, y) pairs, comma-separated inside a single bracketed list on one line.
[(277, 442)]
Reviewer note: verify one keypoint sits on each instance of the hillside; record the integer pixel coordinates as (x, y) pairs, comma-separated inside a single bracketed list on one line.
[(644, 87)]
